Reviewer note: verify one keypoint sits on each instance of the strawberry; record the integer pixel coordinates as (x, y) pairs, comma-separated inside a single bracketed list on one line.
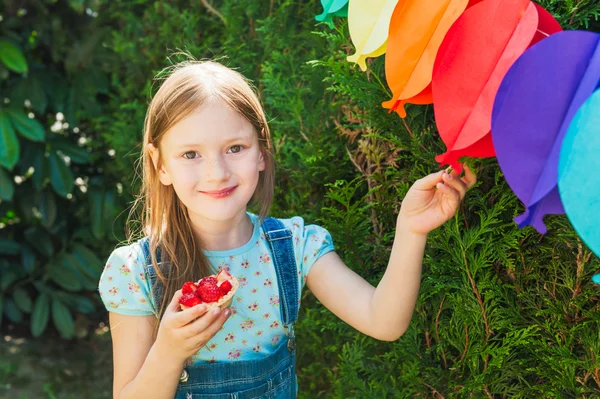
[(223, 276), (190, 299), (225, 287), (210, 280), (189, 287), (209, 292)]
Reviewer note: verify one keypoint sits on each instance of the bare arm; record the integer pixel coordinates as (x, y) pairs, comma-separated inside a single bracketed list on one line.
[(384, 312), (138, 367), (144, 368)]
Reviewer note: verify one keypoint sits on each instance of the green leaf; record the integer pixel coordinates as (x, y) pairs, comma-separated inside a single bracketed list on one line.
[(40, 315), (78, 302), (22, 300), (83, 50), (84, 305), (28, 259), (41, 165), (40, 240), (36, 94), (12, 57), (48, 208), (26, 203), (30, 88), (109, 208), (72, 106), (28, 127), (27, 156), (87, 257), (7, 278), (86, 276), (85, 268), (12, 312), (7, 187), (1, 308), (96, 198), (9, 143), (63, 321), (55, 88), (9, 247), (99, 80), (63, 273), (73, 151), (61, 176)]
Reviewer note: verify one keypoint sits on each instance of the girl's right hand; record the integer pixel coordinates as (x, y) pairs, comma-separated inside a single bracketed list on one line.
[(183, 332)]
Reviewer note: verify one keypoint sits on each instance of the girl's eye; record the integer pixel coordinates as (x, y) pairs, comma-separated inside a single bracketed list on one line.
[(190, 155), (236, 148)]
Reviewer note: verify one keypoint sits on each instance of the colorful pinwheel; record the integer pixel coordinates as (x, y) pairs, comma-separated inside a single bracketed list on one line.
[(534, 106)]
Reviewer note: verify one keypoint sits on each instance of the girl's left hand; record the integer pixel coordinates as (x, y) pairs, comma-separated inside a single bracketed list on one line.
[(434, 199)]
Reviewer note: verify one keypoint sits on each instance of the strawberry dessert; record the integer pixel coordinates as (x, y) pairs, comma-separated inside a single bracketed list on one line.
[(215, 290)]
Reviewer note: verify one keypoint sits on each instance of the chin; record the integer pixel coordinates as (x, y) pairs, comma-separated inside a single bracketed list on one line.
[(219, 212)]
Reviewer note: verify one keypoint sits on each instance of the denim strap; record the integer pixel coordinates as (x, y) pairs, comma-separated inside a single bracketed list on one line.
[(145, 244), (280, 242), (156, 285)]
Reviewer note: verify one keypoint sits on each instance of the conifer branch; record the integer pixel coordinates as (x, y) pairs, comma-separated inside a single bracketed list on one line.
[(437, 331), (462, 356), (213, 11), (488, 331), (434, 391)]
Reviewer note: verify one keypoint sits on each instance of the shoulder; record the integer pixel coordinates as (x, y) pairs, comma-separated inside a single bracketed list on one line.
[(295, 223), (128, 257), (131, 252), (301, 230)]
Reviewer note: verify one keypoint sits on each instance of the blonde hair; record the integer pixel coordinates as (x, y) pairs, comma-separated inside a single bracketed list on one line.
[(188, 86)]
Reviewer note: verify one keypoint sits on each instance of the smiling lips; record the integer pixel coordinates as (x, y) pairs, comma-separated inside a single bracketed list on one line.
[(219, 193)]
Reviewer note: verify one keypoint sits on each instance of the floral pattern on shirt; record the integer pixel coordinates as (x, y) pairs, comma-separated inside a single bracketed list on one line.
[(255, 327)]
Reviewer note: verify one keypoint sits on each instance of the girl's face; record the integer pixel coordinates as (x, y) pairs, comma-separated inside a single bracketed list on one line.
[(213, 159)]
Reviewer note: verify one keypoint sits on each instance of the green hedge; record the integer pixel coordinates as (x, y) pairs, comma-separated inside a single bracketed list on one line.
[(502, 312), (58, 207)]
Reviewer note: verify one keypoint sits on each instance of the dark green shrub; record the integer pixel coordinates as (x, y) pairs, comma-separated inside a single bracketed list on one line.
[(58, 210)]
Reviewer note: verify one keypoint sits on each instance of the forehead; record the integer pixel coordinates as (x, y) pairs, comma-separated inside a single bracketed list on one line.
[(213, 123)]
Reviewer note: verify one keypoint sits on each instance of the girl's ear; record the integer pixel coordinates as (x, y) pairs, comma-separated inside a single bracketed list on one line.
[(163, 175), (261, 162)]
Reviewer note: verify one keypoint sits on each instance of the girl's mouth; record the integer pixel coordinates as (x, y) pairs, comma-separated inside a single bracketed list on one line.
[(220, 193)]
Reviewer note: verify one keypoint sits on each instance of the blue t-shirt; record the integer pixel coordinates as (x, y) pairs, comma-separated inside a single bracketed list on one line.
[(255, 327)]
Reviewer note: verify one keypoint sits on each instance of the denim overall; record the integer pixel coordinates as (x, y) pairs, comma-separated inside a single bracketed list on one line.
[(272, 377)]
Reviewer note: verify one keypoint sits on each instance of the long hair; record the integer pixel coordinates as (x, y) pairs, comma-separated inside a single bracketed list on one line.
[(163, 217)]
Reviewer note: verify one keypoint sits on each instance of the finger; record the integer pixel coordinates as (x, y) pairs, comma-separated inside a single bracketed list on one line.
[(214, 327), (188, 315), (174, 304), (202, 325), (455, 183), (469, 178), (428, 182), (449, 191)]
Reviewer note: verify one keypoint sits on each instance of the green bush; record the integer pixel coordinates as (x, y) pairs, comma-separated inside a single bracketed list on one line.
[(502, 312), (58, 210)]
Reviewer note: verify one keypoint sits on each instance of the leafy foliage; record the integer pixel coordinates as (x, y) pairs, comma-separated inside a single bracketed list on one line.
[(57, 209)]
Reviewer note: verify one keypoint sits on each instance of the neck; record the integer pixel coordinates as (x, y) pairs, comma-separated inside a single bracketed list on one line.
[(222, 235)]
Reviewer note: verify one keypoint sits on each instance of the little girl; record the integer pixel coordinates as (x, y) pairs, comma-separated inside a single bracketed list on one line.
[(207, 154)]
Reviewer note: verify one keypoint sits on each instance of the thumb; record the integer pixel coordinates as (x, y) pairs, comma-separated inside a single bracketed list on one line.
[(428, 182), (174, 304)]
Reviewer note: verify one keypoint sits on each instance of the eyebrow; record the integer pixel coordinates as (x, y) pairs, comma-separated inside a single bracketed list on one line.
[(234, 139)]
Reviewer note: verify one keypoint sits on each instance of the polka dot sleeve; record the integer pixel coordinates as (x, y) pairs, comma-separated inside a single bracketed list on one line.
[(123, 286)]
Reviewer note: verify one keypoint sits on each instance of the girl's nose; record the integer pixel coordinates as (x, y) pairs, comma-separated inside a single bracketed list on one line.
[(216, 169)]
